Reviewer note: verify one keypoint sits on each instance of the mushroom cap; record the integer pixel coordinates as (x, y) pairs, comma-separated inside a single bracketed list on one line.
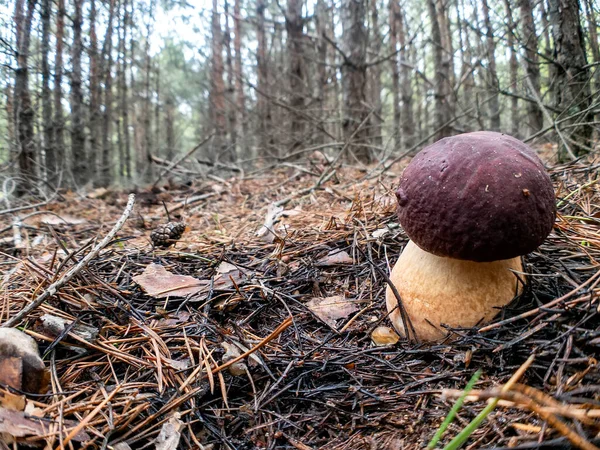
[(481, 196), (438, 291)]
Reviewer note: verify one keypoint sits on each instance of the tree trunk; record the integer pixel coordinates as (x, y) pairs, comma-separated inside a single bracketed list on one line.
[(79, 160), (375, 78), (395, 18), (593, 39), (106, 175), (408, 123), (231, 105), (513, 69), (124, 100), (294, 25), (322, 20), (530, 43), (441, 79), (95, 95), (48, 145), (23, 111), (58, 124), (217, 88), (170, 127), (263, 107), (354, 76), (147, 169), (242, 114), (573, 80), (493, 85)]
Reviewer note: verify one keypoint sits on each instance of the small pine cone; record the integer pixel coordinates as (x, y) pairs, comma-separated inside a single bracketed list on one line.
[(167, 234)]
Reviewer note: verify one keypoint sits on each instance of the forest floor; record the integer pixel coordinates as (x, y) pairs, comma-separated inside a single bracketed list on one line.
[(133, 363)]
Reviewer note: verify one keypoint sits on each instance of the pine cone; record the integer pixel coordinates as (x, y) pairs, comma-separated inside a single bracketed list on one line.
[(167, 234)]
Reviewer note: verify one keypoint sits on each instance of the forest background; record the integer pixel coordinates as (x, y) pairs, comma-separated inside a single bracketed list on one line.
[(105, 92)]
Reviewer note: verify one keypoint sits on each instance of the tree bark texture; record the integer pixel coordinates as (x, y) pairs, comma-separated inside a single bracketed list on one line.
[(354, 79)]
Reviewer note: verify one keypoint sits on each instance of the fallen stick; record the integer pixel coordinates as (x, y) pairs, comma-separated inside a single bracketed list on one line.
[(54, 287)]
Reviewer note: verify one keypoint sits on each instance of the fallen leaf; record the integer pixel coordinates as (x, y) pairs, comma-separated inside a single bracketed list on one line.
[(335, 257), (98, 193), (17, 424), (266, 231), (232, 352), (12, 401), (158, 282), (330, 309), (53, 219), (175, 319), (380, 232), (226, 267), (170, 434)]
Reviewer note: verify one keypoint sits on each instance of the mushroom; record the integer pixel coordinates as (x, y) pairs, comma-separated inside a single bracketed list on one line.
[(472, 205)]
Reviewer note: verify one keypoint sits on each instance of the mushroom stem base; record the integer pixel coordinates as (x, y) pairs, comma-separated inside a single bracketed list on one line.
[(457, 293)]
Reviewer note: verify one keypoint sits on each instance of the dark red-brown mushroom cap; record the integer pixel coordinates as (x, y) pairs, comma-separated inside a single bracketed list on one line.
[(480, 196)]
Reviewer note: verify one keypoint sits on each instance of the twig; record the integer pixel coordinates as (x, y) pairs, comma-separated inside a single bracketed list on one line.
[(88, 418), (547, 114), (54, 287), (537, 310), (180, 160), (280, 329)]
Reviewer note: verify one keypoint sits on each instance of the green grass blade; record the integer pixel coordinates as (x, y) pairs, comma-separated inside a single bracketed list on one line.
[(450, 417), (462, 437)]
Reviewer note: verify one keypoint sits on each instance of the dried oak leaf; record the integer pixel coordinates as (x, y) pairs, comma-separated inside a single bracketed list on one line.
[(158, 282), (335, 257), (331, 309)]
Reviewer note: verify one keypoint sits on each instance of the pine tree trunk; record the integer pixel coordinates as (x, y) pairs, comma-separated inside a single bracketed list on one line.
[(23, 111), (408, 123), (48, 145), (354, 77), (294, 25), (513, 69), (79, 160), (530, 43), (217, 88), (242, 114), (124, 100), (375, 78), (322, 75), (95, 95), (231, 105), (58, 143), (441, 79), (170, 128), (593, 40), (263, 107), (573, 80), (106, 175), (147, 167), (394, 18), (493, 85)]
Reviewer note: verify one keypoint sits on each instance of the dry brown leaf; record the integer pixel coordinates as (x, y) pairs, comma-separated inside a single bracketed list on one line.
[(266, 231), (98, 193), (11, 370), (158, 282), (335, 257), (17, 424), (175, 319), (330, 309), (170, 434), (12, 401)]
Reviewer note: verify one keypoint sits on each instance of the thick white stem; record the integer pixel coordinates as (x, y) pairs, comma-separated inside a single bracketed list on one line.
[(457, 293)]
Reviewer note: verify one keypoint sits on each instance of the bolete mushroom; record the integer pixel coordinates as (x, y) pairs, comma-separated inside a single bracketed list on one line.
[(472, 205)]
